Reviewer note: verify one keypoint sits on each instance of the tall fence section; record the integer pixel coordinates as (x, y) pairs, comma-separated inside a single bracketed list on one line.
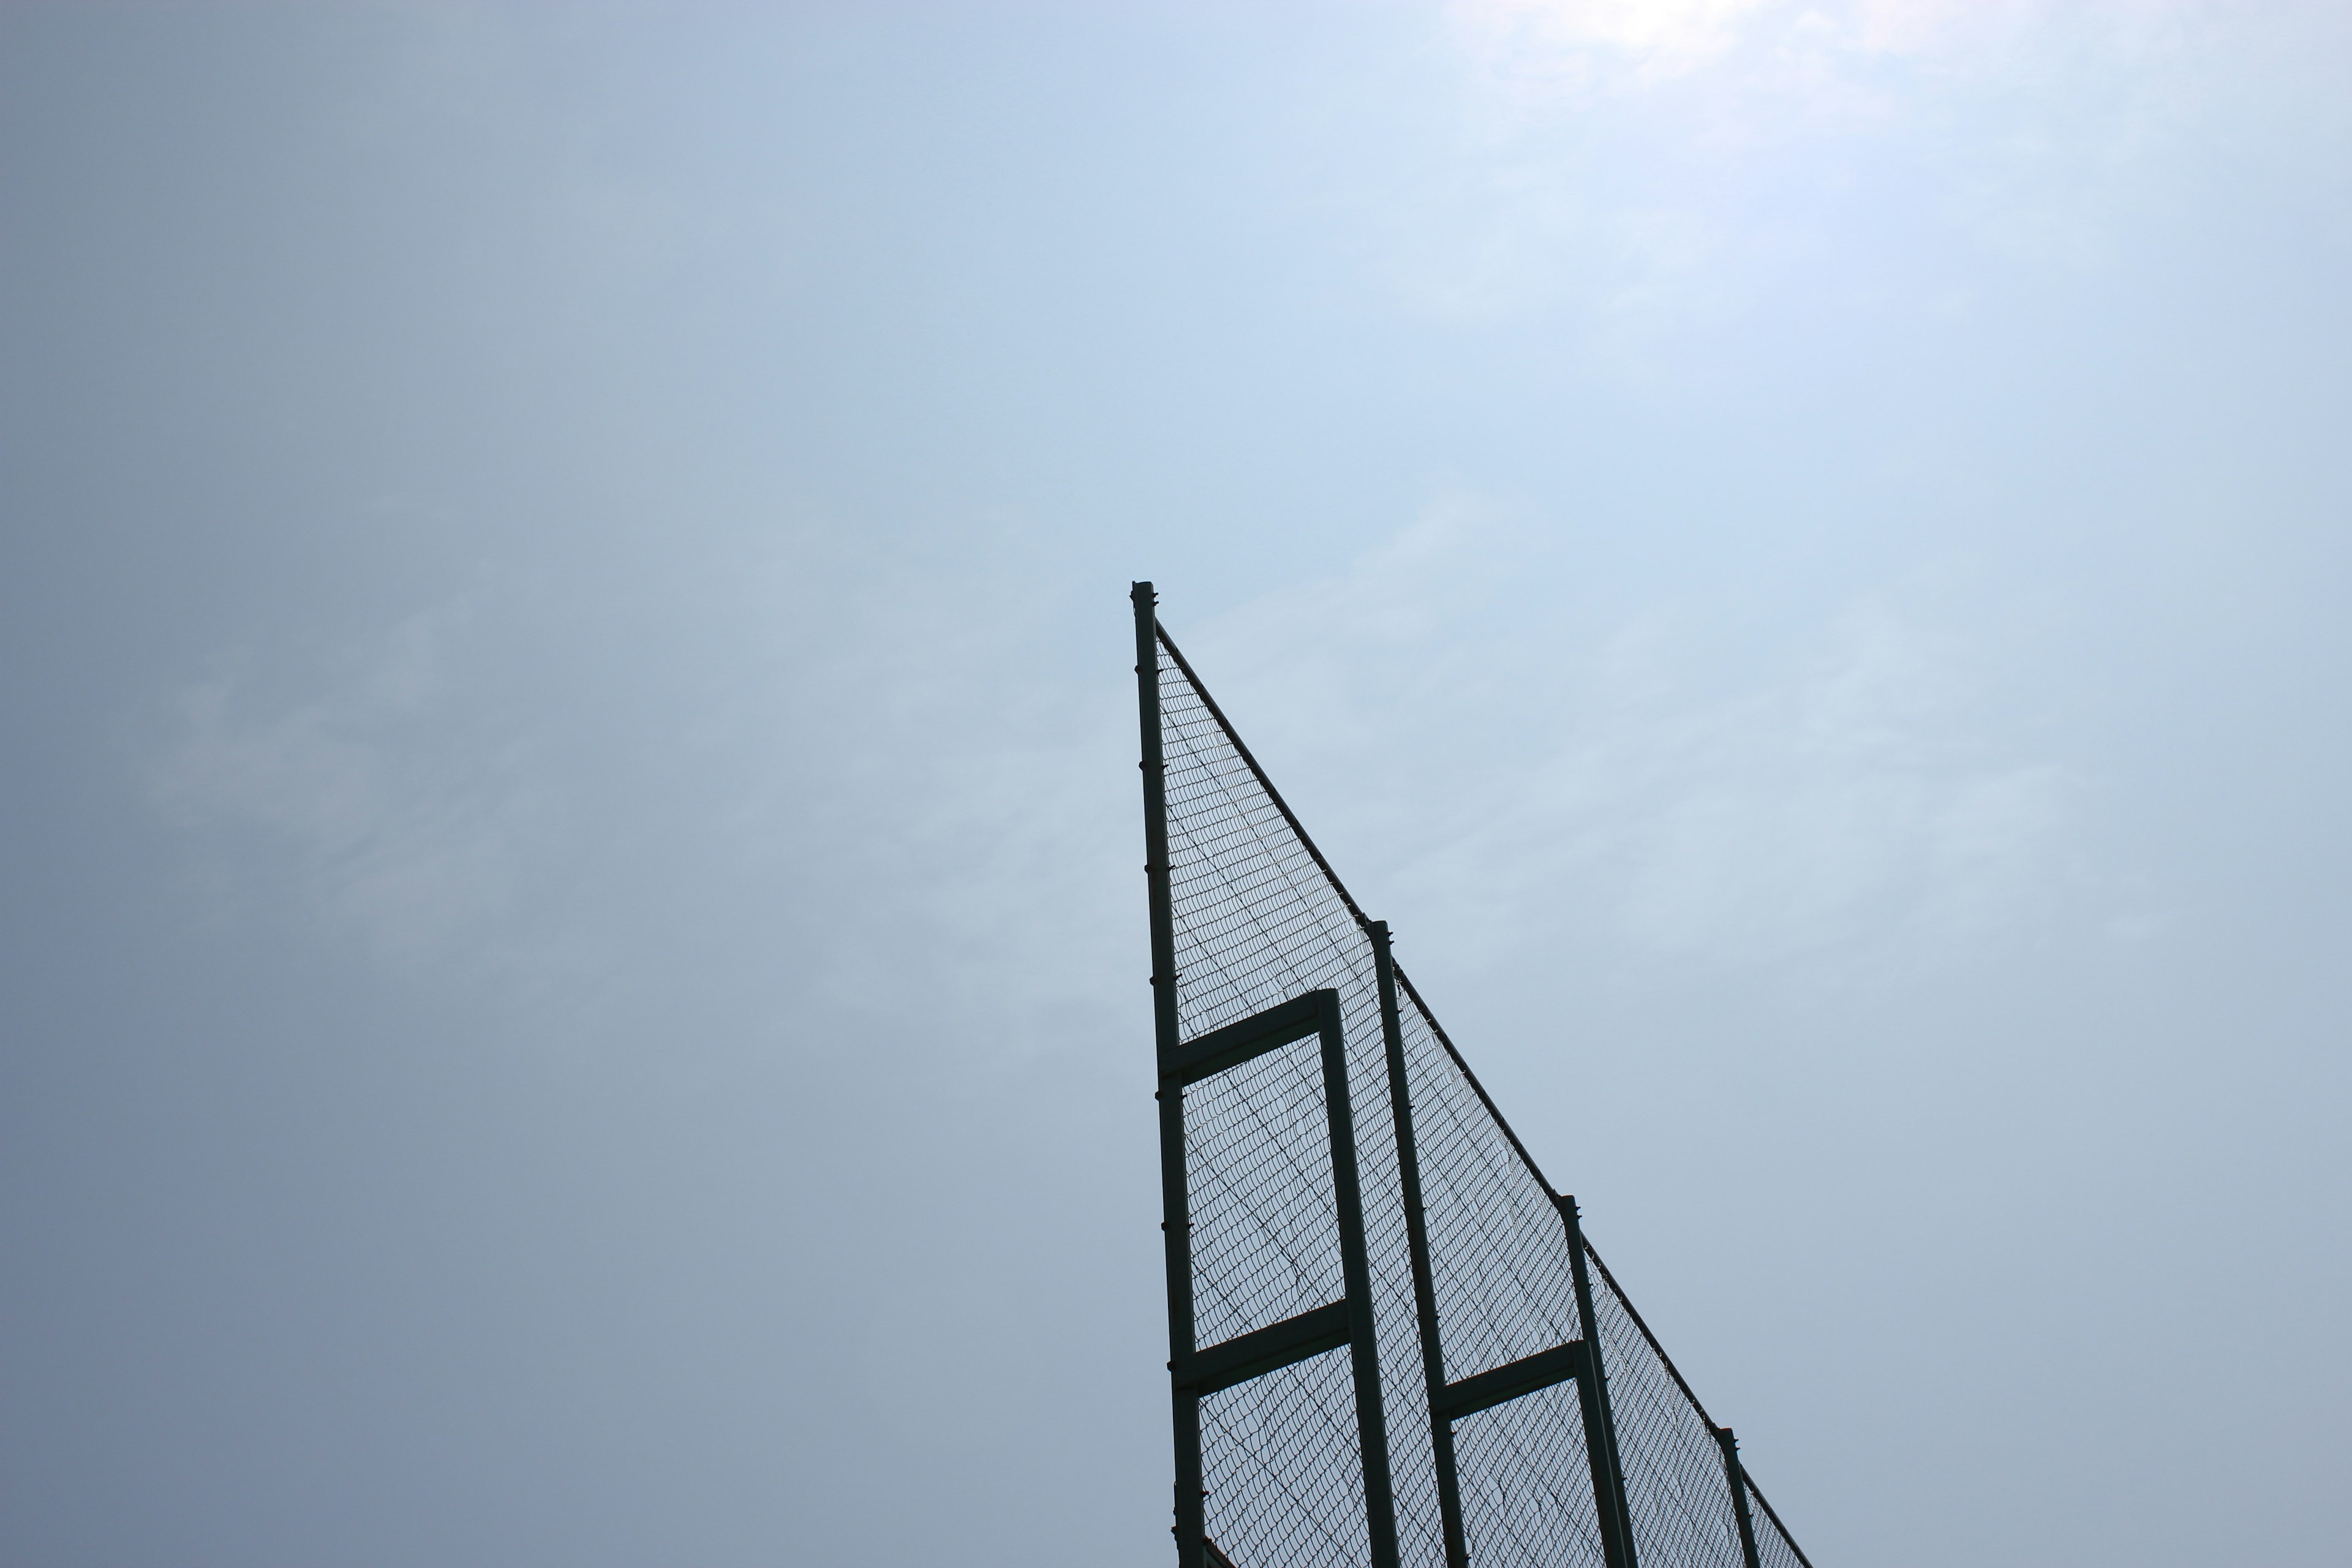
[(1388, 1341)]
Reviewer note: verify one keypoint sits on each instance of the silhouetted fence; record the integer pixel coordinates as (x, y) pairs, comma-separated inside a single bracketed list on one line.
[(1390, 1343)]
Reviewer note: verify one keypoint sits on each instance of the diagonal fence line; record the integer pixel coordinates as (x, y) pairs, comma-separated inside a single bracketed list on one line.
[(1613, 1471)]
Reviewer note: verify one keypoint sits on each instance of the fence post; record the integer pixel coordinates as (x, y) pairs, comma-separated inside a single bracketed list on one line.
[(1592, 1390), (1363, 1349), (1416, 1231), (1175, 1198), (1736, 1474)]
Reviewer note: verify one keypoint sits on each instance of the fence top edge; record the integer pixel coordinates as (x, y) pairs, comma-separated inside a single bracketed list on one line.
[(1232, 738), (1240, 748)]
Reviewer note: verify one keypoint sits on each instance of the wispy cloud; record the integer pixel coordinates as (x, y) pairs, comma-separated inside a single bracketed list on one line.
[(1857, 792), (392, 829), (703, 797), (1853, 800)]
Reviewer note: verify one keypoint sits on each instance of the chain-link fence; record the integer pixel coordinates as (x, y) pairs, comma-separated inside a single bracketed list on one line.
[(1409, 1377)]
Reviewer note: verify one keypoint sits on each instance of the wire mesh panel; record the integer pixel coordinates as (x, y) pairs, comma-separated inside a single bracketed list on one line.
[(1281, 1473), (1773, 1547), (1256, 919), (1498, 1251), (1526, 1490), (1675, 1487), (1504, 1290), (1265, 1229)]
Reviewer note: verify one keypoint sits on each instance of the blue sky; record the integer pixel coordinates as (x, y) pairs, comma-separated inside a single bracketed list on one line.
[(574, 963)]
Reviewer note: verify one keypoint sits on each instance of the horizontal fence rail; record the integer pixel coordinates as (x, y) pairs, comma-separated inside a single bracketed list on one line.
[(1389, 1340)]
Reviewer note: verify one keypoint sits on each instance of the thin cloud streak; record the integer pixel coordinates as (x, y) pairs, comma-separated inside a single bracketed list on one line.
[(1853, 799)]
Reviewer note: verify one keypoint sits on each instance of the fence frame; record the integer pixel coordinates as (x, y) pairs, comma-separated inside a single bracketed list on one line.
[(1196, 1371)]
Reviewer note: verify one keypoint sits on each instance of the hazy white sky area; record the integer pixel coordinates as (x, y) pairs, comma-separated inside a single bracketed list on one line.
[(574, 981)]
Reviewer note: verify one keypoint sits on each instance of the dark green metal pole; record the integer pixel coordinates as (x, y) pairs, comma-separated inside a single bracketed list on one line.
[(1592, 1392), (1416, 1232), (1175, 1197), (1736, 1474), (1355, 1267)]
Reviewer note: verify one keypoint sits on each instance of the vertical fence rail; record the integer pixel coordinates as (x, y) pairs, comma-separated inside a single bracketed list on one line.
[(1600, 1420), (1424, 1290), (1176, 1222), (1735, 1480), (1367, 1195)]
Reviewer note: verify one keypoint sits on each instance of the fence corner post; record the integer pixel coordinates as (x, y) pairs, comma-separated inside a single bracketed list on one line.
[(1416, 1230), (1175, 1197), (1735, 1475), (1592, 1391)]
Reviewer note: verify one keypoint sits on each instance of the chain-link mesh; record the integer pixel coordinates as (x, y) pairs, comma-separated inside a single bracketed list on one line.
[(1259, 919), (1773, 1547), (1527, 1486), (1500, 1272), (1675, 1486), (1279, 1463)]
